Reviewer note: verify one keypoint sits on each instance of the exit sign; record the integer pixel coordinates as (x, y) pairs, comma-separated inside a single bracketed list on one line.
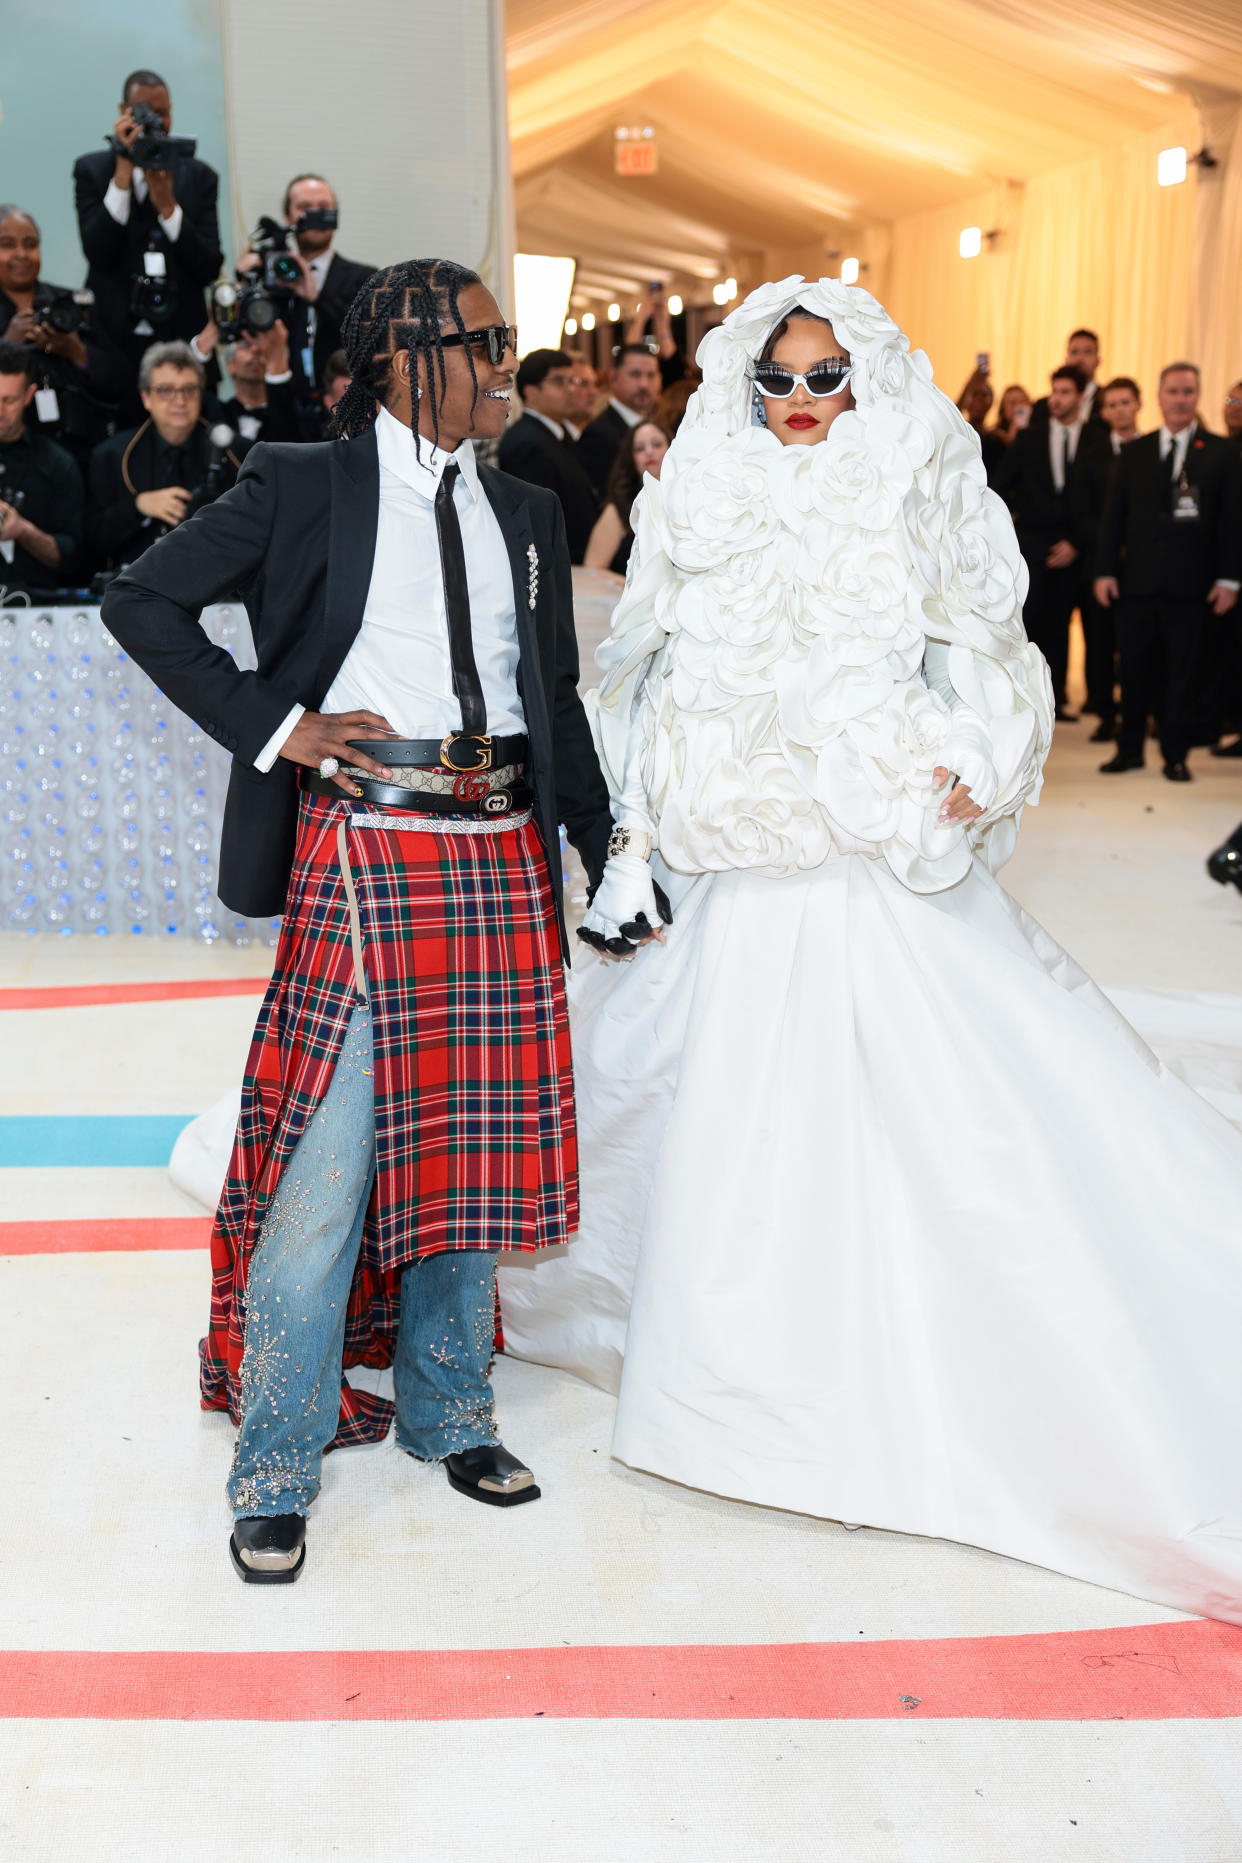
[(635, 151)]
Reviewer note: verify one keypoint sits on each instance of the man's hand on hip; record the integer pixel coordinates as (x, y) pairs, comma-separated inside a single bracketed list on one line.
[(319, 735)]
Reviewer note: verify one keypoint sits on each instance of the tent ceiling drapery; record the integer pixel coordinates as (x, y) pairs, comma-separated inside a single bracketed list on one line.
[(786, 127)]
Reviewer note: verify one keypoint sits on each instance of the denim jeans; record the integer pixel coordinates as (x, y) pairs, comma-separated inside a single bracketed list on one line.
[(297, 1296)]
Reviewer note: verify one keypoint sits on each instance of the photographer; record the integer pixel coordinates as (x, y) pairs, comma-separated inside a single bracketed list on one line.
[(79, 378), (145, 482), (326, 283), (264, 405), (147, 217), (40, 489)]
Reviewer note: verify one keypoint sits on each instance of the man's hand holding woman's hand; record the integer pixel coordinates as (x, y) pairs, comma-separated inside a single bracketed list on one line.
[(627, 910)]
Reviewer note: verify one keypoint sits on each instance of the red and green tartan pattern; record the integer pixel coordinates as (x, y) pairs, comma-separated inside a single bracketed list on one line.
[(476, 1143)]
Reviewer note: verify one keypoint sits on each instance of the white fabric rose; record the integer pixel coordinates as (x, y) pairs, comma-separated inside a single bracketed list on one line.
[(767, 655), (750, 812), (721, 503)]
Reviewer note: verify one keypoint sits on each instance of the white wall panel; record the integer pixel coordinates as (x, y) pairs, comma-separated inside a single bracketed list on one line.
[(400, 104)]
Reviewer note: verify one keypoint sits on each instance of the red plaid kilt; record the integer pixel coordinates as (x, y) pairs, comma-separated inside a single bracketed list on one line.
[(476, 1144)]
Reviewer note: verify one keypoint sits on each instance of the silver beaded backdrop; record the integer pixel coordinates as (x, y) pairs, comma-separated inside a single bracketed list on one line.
[(110, 798)]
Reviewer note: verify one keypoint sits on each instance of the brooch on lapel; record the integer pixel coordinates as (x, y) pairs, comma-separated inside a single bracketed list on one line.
[(532, 557)]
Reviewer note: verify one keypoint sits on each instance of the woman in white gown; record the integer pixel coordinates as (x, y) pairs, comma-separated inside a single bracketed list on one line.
[(887, 1215)]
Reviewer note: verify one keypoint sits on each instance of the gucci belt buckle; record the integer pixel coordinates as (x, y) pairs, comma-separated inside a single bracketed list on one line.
[(454, 738)]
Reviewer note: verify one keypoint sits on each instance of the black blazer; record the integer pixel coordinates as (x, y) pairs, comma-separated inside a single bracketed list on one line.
[(1088, 495), (297, 536), (1145, 547), (342, 282), (598, 447), (532, 452), (1024, 481), (114, 253), (116, 529)]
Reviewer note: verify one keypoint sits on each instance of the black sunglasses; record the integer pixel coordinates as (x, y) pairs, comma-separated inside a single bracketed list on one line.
[(499, 337), (824, 378)]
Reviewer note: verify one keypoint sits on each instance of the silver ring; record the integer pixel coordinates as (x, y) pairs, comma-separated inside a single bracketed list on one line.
[(329, 767)]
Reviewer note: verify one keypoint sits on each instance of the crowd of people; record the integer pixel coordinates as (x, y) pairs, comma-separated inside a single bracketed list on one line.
[(1141, 534), (127, 404)]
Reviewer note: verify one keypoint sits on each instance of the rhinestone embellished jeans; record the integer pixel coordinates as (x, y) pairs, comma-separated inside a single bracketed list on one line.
[(298, 1291)]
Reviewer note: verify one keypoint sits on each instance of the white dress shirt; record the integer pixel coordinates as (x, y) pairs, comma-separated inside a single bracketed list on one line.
[(119, 201), (1062, 445), (1180, 444), (318, 267), (399, 664), (628, 415)]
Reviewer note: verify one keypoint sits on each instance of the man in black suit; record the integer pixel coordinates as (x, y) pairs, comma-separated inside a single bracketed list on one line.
[(1082, 352), (1035, 481), (144, 481), (536, 448), (1170, 554), (410, 1075), (1120, 401), (151, 236), (636, 386), (328, 284)]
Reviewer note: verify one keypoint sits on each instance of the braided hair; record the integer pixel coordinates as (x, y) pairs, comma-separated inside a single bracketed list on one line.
[(401, 307)]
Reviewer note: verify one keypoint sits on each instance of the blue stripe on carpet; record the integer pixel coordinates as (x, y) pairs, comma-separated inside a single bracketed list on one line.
[(121, 1138)]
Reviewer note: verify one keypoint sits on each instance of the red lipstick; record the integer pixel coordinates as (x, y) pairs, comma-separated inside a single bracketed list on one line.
[(801, 420)]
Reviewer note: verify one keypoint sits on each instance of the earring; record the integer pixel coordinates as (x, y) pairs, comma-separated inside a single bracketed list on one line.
[(758, 413)]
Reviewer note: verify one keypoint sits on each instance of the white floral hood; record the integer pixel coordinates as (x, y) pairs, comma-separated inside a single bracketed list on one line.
[(763, 681)]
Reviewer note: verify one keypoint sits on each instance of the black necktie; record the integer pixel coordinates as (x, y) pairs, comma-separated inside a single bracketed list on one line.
[(457, 607)]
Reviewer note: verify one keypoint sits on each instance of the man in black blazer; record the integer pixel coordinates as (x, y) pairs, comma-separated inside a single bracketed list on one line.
[(328, 285), (414, 1033), (537, 449), (151, 238), (1170, 555), (145, 480), (1119, 401), (636, 387), (1035, 481)]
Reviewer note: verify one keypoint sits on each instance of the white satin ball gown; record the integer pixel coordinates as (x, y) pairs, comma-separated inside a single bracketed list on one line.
[(888, 1216)]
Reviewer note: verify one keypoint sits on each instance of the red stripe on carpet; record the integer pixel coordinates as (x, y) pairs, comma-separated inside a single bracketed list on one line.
[(1176, 1671), (80, 995), (120, 1233)]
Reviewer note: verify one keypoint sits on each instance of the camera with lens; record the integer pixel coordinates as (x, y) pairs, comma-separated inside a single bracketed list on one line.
[(243, 310), (280, 271), (66, 311), (153, 147), (318, 220)]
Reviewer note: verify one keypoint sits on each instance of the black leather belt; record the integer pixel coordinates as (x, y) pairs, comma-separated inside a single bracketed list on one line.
[(489, 804), (460, 751)]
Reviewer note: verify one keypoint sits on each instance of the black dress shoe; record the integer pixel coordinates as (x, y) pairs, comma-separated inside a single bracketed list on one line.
[(1177, 773), (489, 1473), (1228, 750), (1120, 762), (1103, 734), (1225, 864), (269, 1551)]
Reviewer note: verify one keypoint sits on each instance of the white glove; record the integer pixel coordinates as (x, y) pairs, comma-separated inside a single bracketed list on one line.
[(625, 899), (968, 751)]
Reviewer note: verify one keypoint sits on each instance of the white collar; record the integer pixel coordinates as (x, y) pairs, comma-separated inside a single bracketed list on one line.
[(1181, 439), (572, 431), (318, 266), (628, 415), (553, 427), (398, 455)]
